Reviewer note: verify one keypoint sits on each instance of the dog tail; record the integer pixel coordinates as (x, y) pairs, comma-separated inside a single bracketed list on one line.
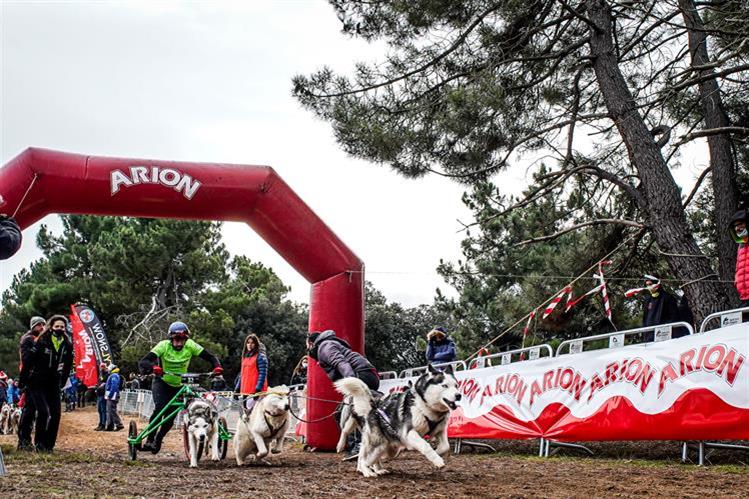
[(359, 392)]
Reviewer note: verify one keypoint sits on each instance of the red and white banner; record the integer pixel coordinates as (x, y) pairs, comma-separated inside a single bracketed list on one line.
[(86, 365), (691, 388)]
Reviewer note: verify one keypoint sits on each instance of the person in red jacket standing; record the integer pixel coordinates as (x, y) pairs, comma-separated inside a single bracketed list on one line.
[(741, 236), (253, 376)]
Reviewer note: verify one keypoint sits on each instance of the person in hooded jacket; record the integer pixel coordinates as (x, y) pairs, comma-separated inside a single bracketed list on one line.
[(10, 236), (440, 347), (46, 371), (253, 375), (338, 360), (740, 234)]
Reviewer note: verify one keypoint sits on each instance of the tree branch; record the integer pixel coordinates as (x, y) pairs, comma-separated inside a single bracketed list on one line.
[(697, 185), (713, 131), (578, 15), (600, 221), (452, 48)]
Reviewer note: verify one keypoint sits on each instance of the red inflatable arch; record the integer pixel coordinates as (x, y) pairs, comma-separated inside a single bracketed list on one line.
[(45, 182)]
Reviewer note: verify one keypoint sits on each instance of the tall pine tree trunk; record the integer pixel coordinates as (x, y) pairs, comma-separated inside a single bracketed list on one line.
[(725, 192), (663, 207)]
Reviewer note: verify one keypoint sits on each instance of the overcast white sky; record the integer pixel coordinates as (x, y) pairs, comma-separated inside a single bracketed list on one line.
[(211, 81)]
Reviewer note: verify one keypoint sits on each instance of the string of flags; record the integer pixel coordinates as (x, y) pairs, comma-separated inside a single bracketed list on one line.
[(572, 301)]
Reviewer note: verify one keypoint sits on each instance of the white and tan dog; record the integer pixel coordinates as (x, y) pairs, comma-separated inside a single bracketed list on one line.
[(264, 428), (15, 419), (202, 430), (5, 418)]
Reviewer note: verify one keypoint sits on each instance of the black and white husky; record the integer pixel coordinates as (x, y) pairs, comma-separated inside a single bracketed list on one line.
[(400, 420), (202, 430)]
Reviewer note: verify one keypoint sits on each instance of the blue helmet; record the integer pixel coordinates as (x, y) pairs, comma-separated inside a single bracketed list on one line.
[(178, 328)]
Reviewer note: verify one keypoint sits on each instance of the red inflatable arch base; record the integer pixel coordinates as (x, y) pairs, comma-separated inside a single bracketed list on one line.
[(56, 182)]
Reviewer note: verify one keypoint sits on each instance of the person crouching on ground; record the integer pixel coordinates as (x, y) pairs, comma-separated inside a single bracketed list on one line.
[(112, 396), (47, 371), (440, 348), (253, 376), (338, 361)]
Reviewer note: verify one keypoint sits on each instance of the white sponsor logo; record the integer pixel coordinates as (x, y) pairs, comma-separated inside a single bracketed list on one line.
[(169, 177), (86, 315)]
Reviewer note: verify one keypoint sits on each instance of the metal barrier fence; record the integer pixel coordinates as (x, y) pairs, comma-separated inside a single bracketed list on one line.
[(140, 403), (416, 371), (660, 333), (534, 352), (727, 318)]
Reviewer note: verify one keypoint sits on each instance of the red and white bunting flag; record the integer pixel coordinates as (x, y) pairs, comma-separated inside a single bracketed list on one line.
[(551, 306), (528, 324), (632, 292), (572, 303), (604, 291)]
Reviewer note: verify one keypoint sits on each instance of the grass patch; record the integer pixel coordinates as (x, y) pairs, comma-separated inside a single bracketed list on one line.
[(12, 455)]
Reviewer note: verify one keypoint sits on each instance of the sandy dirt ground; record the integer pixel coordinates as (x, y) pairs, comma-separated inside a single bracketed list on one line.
[(88, 464)]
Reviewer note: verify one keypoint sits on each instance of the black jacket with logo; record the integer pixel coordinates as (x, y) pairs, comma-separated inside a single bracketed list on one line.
[(47, 366)]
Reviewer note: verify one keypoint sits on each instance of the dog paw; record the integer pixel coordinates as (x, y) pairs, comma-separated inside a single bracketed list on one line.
[(439, 463), (368, 473), (383, 472), (276, 451)]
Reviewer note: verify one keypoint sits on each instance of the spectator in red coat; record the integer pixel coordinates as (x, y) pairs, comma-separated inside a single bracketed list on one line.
[(741, 236)]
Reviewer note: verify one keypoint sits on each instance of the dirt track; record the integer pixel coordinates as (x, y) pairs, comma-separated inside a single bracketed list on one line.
[(89, 463)]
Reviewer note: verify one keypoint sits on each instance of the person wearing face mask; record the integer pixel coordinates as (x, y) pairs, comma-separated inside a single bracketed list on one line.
[(28, 410), (47, 371), (661, 307), (167, 360), (740, 234)]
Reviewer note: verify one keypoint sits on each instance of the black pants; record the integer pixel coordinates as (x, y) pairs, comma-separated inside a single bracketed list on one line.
[(26, 423), (48, 409), (370, 378), (162, 394)]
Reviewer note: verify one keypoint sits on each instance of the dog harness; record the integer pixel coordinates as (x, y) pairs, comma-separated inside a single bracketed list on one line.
[(386, 424), (433, 424), (273, 431)]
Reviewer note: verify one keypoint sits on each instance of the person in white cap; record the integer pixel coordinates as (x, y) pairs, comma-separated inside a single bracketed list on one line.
[(28, 412)]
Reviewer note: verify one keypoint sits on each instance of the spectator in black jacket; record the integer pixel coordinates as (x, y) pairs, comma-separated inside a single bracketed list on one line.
[(661, 307), (10, 236), (46, 371), (25, 352)]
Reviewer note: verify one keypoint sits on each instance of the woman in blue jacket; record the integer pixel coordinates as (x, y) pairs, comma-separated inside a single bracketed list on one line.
[(440, 348)]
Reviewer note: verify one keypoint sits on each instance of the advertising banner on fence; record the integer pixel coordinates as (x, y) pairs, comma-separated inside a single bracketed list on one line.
[(89, 342), (691, 388)]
